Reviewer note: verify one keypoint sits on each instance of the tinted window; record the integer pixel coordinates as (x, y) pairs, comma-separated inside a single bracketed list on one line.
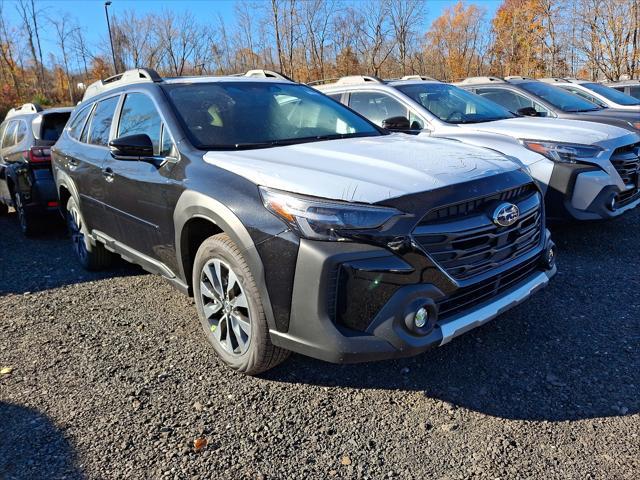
[(21, 131), (511, 100), (101, 121), (52, 125), (139, 116), (376, 106), (559, 98), (77, 123), (452, 104), (166, 148), (634, 91), (335, 96), (235, 115), (8, 139), (585, 95), (611, 94)]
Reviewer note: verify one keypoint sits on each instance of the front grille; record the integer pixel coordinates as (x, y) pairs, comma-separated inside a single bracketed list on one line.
[(626, 161), (477, 293), (465, 242)]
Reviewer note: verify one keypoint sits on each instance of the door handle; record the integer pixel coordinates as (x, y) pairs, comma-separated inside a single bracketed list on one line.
[(108, 174)]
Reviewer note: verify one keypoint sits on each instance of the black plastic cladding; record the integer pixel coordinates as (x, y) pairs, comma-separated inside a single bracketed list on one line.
[(373, 282)]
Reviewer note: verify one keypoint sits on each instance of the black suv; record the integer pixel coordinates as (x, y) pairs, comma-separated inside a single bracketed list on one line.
[(296, 223), (26, 183)]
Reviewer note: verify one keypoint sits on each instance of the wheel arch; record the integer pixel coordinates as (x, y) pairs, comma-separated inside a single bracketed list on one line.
[(197, 217)]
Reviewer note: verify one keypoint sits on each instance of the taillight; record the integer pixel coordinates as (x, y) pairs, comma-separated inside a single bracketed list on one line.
[(39, 155)]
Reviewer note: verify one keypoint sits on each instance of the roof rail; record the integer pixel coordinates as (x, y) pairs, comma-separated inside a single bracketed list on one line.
[(25, 108), (554, 80), (518, 77), (478, 80), (261, 73), (355, 79), (137, 75), (419, 77)]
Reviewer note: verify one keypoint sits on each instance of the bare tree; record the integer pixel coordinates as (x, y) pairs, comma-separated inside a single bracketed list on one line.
[(64, 34), (405, 15)]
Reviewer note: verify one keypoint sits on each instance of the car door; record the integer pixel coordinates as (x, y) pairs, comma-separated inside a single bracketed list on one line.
[(83, 160), (142, 193)]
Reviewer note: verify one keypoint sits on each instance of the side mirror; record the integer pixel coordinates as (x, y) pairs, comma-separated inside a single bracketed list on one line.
[(136, 146), (528, 112), (398, 124)]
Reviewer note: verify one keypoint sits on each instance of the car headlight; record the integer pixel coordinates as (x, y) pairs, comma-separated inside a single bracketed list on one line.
[(635, 125), (563, 152), (320, 219)]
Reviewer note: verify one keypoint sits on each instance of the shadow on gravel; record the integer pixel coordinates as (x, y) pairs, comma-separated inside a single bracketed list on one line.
[(569, 353), (44, 261), (31, 446)]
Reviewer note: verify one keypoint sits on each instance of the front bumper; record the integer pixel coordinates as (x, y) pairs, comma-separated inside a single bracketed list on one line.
[(584, 192), (379, 306)]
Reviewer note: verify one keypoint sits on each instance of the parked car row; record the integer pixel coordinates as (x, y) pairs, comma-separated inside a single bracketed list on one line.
[(378, 223)]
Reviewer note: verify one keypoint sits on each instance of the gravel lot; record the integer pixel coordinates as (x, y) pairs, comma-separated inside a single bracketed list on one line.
[(112, 378)]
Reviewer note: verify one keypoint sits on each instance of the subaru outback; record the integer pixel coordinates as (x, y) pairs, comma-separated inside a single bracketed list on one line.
[(295, 223), (587, 171)]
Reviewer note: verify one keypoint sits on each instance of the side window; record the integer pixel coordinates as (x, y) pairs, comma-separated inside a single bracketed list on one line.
[(586, 96), (634, 91), (376, 106), (21, 131), (139, 116), (8, 139), (511, 100), (166, 147), (77, 124), (336, 96), (101, 121), (415, 121)]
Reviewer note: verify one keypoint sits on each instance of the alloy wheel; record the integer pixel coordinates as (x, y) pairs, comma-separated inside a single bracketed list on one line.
[(74, 221), (225, 307)]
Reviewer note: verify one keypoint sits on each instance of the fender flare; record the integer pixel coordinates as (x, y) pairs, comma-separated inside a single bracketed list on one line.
[(192, 204), (65, 181)]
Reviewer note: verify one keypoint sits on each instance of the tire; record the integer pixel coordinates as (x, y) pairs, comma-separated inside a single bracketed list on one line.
[(235, 323), (91, 257), (26, 220)]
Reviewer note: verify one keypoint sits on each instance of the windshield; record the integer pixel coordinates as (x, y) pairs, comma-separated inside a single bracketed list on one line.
[(454, 105), (612, 94), (559, 98), (239, 115)]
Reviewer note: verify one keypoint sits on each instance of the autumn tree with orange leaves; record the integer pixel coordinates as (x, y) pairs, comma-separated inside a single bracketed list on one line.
[(458, 42)]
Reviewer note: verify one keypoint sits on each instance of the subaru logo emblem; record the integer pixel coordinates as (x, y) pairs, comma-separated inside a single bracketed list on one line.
[(506, 214)]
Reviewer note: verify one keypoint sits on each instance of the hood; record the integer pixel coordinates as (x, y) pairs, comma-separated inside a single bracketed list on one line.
[(613, 114), (370, 169), (551, 129)]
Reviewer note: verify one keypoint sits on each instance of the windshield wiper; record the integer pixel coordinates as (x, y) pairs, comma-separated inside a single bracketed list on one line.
[(286, 141)]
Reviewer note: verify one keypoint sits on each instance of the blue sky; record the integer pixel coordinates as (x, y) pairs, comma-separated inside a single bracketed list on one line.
[(90, 13)]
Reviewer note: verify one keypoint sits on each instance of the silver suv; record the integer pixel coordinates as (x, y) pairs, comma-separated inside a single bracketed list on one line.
[(597, 93), (588, 171)]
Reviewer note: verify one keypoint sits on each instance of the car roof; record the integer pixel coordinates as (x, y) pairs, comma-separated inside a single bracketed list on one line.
[(147, 76)]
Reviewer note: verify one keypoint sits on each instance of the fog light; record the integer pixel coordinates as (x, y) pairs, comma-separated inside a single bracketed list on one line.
[(612, 203), (421, 317), (550, 257)]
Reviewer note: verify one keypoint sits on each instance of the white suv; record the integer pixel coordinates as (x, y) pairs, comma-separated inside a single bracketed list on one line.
[(597, 93), (588, 171)]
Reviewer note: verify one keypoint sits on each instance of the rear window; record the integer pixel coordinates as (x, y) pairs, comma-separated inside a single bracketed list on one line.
[(53, 125), (611, 94)]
